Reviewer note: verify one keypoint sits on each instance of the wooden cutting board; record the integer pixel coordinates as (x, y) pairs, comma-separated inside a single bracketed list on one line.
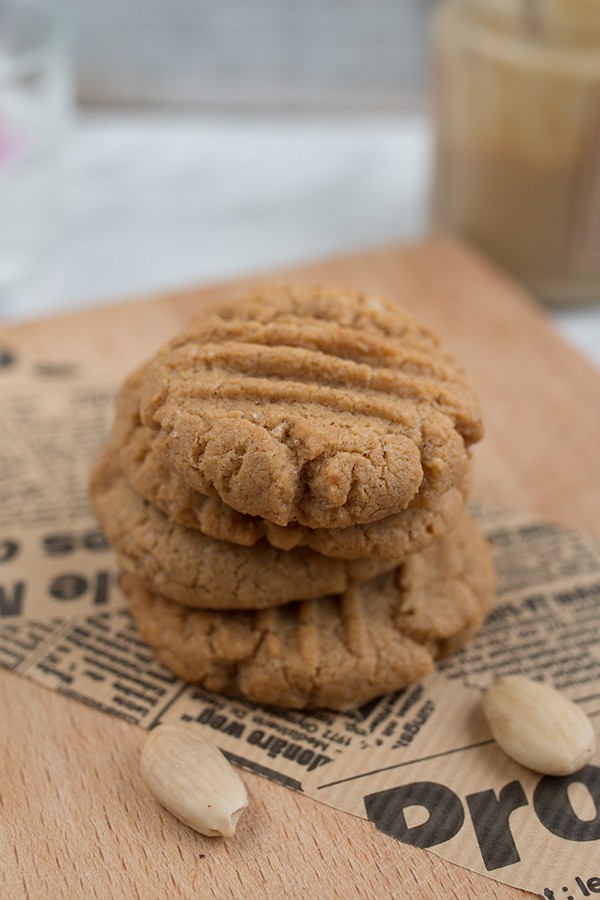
[(76, 819)]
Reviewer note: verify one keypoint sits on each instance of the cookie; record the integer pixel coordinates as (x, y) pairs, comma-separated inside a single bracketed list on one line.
[(391, 538), (312, 406), (198, 571), (338, 651)]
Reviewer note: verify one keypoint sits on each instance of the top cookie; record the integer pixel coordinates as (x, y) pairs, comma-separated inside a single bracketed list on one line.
[(393, 537), (309, 405)]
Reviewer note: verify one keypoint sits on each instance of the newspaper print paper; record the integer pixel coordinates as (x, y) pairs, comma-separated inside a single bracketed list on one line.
[(420, 763)]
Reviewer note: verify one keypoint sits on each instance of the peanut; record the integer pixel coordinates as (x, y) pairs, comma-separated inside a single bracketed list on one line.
[(537, 726), (191, 778)]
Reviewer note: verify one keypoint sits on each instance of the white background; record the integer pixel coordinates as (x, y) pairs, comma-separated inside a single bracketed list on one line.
[(162, 200)]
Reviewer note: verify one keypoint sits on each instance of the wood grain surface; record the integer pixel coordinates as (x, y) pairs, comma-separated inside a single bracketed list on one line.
[(76, 818)]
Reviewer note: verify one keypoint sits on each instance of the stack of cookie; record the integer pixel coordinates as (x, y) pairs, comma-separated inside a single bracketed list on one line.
[(285, 486)]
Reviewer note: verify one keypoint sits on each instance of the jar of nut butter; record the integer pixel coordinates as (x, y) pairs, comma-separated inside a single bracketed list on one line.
[(517, 138)]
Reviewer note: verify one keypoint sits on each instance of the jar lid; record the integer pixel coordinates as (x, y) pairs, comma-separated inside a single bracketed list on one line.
[(560, 21)]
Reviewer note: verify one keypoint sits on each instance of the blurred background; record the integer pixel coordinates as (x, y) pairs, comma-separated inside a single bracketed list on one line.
[(249, 55), (210, 140)]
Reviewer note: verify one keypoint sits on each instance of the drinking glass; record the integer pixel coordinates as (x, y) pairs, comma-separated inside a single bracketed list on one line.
[(34, 115)]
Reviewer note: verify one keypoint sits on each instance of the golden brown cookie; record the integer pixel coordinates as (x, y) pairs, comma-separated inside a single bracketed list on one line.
[(196, 570), (327, 408), (391, 538), (335, 652)]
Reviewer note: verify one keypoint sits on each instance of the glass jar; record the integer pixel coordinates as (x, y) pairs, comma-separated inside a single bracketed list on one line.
[(517, 138)]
